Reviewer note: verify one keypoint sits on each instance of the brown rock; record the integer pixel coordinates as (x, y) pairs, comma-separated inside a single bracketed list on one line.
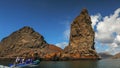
[(116, 56), (81, 37), (75, 56), (24, 42), (55, 48), (65, 56), (49, 56)]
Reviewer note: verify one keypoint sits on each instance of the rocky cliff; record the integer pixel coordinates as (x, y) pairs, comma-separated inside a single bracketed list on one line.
[(25, 41), (82, 36)]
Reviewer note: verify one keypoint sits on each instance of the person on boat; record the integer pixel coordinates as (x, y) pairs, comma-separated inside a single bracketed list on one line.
[(28, 61), (17, 60), (23, 60)]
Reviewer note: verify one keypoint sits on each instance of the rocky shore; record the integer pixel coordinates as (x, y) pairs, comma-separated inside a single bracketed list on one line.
[(27, 41)]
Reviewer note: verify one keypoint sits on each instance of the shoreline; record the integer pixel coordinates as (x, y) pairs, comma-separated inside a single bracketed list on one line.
[(13, 59)]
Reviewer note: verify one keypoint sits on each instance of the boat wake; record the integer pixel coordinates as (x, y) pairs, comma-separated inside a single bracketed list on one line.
[(2, 66)]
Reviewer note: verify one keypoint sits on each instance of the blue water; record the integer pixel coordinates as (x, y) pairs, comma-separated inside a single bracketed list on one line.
[(107, 63)]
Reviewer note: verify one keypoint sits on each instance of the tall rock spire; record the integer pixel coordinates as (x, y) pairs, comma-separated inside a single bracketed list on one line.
[(81, 33), (82, 36)]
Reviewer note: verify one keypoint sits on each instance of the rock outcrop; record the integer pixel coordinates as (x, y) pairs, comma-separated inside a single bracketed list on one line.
[(116, 56), (105, 55), (24, 42), (81, 41)]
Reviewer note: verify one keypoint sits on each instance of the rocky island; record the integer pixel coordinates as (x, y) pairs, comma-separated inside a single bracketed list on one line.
[(116, 56), (26, 41), (81, 43)]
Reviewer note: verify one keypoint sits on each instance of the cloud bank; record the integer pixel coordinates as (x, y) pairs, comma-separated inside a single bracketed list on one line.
[(108, 30)]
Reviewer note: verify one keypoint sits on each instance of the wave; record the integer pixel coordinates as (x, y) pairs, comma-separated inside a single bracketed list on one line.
[(2, 66)]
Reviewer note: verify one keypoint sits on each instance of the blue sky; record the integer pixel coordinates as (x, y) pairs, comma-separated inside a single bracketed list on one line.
[(52, 18)]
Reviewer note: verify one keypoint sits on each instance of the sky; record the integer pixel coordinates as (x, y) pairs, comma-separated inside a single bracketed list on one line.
[(52, 19)]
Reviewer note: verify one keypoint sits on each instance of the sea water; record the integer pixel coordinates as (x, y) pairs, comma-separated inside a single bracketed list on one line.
[(105, 63)]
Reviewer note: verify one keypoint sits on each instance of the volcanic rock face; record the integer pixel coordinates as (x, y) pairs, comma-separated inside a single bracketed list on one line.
[(82, 37), (25, 41), (25, 37)]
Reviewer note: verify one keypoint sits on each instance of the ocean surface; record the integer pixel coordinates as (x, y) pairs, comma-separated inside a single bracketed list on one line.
[(106, 63)]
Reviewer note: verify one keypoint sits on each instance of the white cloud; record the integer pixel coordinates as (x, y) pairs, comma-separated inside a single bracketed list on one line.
[(67, 34), (108, 30), (95, 19), (113, 48), (104, 37), (117, 39), (62, 44)]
